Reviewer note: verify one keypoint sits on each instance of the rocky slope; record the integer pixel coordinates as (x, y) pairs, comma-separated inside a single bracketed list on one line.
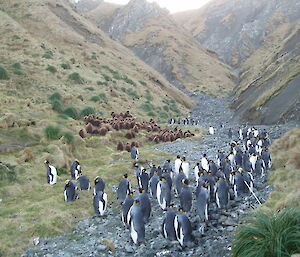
[(152, 34), (261, 40)]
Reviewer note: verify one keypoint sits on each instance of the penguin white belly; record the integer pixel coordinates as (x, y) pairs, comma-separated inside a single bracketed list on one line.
[(176, 225), (165, 231), (133, 233), (158, 193), (196, 172), (53, 175), (218, 200), (94, 191), (105, 201), (206, 212), (129, 216), (177, 165), (100, 204), (65, 195), (235, 191), (181, 236), (204, 164), (211, 130), (186, 169), (76, 174)]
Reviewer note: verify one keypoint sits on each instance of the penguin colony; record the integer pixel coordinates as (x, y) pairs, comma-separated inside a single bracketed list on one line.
[(219, 181), (100, 126)]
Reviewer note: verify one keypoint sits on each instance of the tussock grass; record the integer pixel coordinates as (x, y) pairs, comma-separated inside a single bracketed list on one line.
[(269, 234), (3, 74), (52, 132)]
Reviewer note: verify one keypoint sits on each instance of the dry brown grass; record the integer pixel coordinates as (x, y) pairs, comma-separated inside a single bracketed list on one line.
[(286, 176)]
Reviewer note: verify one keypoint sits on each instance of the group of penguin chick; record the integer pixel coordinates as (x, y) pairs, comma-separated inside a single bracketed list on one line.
[(229, 177)]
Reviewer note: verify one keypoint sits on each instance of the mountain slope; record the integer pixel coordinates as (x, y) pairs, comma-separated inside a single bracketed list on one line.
[(235, 29), (261, 40), (43, 36), (152, 34)]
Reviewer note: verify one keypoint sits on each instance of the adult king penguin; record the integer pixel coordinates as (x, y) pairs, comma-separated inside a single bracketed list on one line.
[(177, 164), (183, 229), (145, 204), (126, 205), (186, 196), (84, 183), (153, 184), (204, 163), (136, 223), (51, 173), (70, 191), (185, 167), (163, 193), (222, 193), (99, 185), (75, 169), (168, 229), (123, 188), (100, 203)]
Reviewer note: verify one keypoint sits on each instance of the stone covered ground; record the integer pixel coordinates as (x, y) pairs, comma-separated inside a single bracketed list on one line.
[(107, 236)]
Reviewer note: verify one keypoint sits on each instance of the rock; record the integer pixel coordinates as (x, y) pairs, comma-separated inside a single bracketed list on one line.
[(102, 248), (128, 248), (36, 241), (229, 222)]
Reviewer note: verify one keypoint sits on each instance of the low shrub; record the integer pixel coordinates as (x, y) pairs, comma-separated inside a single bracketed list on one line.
[(55, 96), (151, 113), (269, 234), (87, 111), (89, 88), (101, 83), (56, 105), (106, 77), (7, 172), (68, 137), (52, 132), (3, 74), (147, 107), (76, 78), (71, 112), (16, 65), (63, 116), (51, 68), (66, 66)]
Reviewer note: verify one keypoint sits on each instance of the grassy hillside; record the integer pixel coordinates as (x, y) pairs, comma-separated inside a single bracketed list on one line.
[(166, 46)]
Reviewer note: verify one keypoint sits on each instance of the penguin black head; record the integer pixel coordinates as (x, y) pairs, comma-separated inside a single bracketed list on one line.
[(125, 175), (211, 161), (209, 173), (204, 155), (170, 206), (185, 181), (178, 156), (96, 180), (136, 201), (130, 193), (168, 161), (162, 179), (76, 161), (141, 190), (198, 164), (144, 170), (180, 209), (47, 162), (220, 169), (183, 159), (67, 183)]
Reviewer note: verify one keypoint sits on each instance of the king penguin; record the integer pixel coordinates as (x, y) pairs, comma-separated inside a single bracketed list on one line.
[(204, 163), (202, 200), (185, 167), (51, 173), (70, 191), (186, 196), (123, 188), (84, 183), (178, 181), (177, 164), (99, 185), (153, 184), (75, 169), (143, 180), (222, 193), (163, 193), (136, 223), (126, 205), (145, 204), (168, 229), (183, 229), (100, 203)]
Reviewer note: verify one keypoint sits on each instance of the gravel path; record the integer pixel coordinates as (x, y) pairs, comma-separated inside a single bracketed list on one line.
[(108, 237)]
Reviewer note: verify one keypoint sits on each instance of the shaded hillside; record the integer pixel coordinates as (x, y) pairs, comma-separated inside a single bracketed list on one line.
[(260, 39), (235, 29), (48, 47), (152, 34)]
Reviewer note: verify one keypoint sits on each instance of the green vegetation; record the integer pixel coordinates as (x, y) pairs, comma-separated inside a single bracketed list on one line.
[(68, 137), (51, 69), (71, 112), (16, 65), (95, 98), (48, 55), (18, 72), (151, 113), (132, 93), (269, 234), (3, 74), (7, 173), (147, 107), (75, 77), (148, 95), (56, 105), (143, 83), (63, 116), (106, 77), (66, 66), (128, 80), (52, 132), (89, 88), (163, 115), (87, 111), (55, 96), (101, 83)]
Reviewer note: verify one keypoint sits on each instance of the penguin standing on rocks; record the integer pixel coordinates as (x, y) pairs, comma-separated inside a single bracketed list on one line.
[(253, 159), (266, 157), (136, 223), (168, 229), (183, 229), (99, 185), (185, 167), (202, 200), (166, 174), (212, 167), (163, 193), (51, 173), (222, 193), (178, 181), (100, 203), (143, 180), (123, 188), (197, 170), (186, 196), (126, 205), (145, 204), (75, 169), (259, 166), (84, 183), (204, 162), (239, 186), (153, 184), (70, 191), (177, 164)]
